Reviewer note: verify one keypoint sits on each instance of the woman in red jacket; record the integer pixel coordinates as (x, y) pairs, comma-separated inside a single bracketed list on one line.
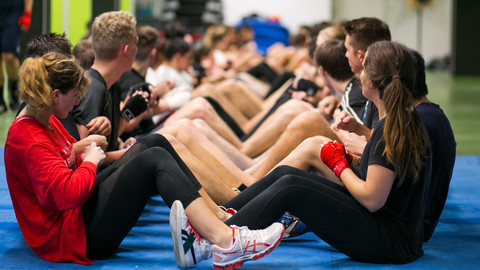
[(68, 212)]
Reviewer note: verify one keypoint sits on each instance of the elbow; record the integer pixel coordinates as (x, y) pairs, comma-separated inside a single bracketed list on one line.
[(373, 206)]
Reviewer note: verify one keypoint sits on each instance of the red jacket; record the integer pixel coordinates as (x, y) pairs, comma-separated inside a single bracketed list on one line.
[(48, 186)]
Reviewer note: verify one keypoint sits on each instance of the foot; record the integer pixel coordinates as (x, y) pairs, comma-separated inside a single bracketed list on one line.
[(293, 226), (189, 248), (247, 245)]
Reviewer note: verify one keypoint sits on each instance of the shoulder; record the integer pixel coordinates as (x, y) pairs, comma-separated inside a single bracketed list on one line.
[(432, 115), (26, 131)]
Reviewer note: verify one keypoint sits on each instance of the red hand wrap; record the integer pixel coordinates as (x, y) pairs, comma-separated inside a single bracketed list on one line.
[(349, 157), (25, 20), (334, 156)]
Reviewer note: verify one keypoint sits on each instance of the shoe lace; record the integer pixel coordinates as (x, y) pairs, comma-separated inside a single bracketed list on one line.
[(247, 234), (195, 234)]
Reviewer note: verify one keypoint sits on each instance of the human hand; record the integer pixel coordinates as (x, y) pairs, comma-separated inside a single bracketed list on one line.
[(299, 95), (164, 87), (135, 105), (94, 154), (344, 121), (99, 140), (99, 125), (355, 143), (334, 156), (128, 143), (25, 20), (327, 106)]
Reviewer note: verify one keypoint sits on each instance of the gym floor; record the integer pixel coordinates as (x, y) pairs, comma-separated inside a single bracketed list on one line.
[(455, 243)]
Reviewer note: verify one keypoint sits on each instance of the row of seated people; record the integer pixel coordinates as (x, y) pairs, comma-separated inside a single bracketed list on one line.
[(314, 138)]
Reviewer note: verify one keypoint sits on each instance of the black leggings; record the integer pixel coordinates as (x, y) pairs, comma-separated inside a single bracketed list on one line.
[(149, 167), (225, 117), (326, 208)]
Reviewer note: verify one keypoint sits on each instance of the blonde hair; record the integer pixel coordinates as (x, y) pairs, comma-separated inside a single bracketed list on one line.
[(39, 76), (111, 31), (214, 34), (332, 32)]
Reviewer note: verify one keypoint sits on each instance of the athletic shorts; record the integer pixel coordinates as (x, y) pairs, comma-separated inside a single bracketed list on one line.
[(9, 30)]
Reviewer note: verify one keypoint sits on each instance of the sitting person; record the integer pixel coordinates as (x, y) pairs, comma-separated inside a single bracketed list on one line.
[(81, 215), (51, 42), (385, 202)]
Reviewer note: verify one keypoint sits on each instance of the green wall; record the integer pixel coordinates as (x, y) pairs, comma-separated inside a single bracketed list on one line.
[(79, 14)]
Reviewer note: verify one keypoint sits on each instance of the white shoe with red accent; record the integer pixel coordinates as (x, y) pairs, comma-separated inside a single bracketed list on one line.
[(247, 245), (189, 248)]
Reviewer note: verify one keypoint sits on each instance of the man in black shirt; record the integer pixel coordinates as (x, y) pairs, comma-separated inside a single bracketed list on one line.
[(145, 58), (115, 45)]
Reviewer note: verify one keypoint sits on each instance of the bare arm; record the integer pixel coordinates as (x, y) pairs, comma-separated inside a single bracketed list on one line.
[(373, 192), (99, 140), (82, 131)]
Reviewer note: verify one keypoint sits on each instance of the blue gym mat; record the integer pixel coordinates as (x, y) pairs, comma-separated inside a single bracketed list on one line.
[(455, 243)]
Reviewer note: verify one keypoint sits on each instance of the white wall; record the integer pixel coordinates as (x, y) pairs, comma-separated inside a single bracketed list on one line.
[(436, 30), (436, 23), (292, 13)]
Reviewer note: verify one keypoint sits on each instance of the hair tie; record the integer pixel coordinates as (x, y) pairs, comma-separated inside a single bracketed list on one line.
[(396, 77)]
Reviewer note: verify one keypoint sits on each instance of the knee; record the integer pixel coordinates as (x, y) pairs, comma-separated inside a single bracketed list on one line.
[(184, 124), (9, 58), (311, 146), (296, 105), (174, 142), (200, 108), (287, 115), (286, 181), (154, 139), (282, 170), (199, 123), (308, 120)]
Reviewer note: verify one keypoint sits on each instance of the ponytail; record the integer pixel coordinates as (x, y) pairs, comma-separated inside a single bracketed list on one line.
[(389, 65), (41, 75), (33, 85), (403, 133)]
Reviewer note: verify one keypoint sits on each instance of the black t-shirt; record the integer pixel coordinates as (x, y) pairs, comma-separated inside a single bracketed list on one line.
[(443, 146), (370, 115), (99, 101), (401, 218), (353, 100), (128, 79)]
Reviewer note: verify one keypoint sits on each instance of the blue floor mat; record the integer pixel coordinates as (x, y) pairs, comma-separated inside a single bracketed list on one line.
[(455, 244)]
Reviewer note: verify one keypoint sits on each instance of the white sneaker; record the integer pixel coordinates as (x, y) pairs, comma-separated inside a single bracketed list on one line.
[(189, 248), (247, 245)]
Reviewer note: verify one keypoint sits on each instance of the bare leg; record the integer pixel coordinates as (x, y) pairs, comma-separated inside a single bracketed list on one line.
[(238, 158), (12, 65), (242, 97), (211, 91), (211, 182), (307, 157), (270, 130), (257, 86), (188, 133), (231, 175), (305, 125), (207, 224), (200, 108)]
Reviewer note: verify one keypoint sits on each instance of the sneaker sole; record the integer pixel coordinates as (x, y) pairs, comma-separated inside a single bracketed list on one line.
[(177, 235), (239, 262)]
